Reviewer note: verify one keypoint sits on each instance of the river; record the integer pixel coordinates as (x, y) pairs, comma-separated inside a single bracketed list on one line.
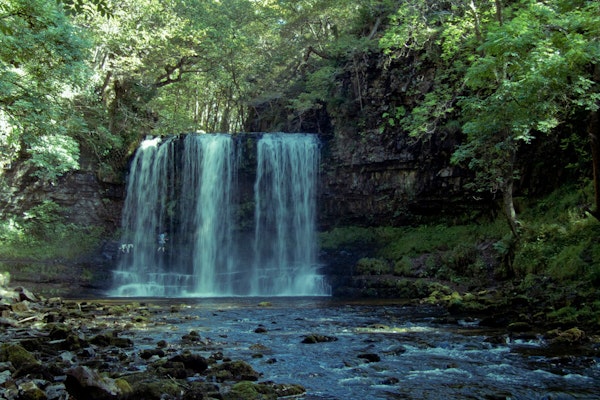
[(377, 350)]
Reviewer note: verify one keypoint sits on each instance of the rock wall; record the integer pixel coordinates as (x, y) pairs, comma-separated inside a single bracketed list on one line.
[(85, 199), (368, 180)]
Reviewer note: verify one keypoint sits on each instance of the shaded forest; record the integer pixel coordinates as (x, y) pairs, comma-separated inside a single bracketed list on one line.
[(514, 84)]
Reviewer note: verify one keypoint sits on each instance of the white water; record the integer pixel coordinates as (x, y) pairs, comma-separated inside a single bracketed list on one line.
[(187, 188), (285, 195)]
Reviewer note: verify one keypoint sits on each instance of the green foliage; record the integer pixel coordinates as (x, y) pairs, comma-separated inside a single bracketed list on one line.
[(42, 234), (42, 68), (347, 236), (400, 242), (533, 72), (560, 241), (372, 266), (53, 155)]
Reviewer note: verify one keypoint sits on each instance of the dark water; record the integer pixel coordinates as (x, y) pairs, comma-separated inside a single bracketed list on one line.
[(420, 356)]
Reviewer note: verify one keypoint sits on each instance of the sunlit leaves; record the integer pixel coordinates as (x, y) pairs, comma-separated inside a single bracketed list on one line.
[(41, 69), (53, 155), (535, 72)]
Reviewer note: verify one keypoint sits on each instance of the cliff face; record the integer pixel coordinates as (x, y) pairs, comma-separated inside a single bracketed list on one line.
[(373, 173), (85, 199), (372, 180)]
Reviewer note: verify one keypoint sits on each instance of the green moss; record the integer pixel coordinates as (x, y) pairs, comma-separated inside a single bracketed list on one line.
[(16, 355), (346, 236), (246, 390), (372, 266)]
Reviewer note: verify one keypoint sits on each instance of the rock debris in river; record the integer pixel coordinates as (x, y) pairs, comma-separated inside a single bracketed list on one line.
[(54, 349)]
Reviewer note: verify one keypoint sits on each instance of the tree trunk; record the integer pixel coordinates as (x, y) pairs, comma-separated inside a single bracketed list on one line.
[(508, 205), (594, 133)]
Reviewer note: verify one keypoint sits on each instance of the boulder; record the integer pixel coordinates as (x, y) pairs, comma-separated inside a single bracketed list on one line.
[(317, 338), (17, 356), (84, 383)]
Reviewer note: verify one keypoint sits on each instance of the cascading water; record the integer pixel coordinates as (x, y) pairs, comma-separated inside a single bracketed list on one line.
[(187, 189), (285, 195)]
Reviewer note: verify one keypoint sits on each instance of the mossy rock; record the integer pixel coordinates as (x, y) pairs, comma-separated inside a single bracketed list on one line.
[(149, 387), (30, 391), (573, 336), (234, 370), (17, 356), (246, 390), (124, 387), (316, 338)]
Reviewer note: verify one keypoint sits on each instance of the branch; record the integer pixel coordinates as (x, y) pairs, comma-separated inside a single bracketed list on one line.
[(174, 73), (311, 50)]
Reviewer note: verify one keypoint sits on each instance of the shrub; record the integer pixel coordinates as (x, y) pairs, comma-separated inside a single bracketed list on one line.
[(372, 266)]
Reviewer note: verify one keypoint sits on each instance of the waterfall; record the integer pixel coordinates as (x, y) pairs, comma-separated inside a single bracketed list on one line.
[(188, 189), (285, 215)]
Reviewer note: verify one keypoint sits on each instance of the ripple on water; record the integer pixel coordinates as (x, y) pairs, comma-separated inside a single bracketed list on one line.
[(419, 358)]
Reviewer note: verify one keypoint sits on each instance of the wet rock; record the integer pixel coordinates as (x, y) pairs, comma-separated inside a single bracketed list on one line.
[(30, 391), (194, 362), (263, 391), (105, 340), (260, 329), (85, 383), (392, 380), (5, 376), (250, 391), (193, 336), (569, 337), (56, 392), (316, 338), (519, 327), (396, 351), (150, 387), (173, 369), (234, 371), (370, 357), (287, 390), (149, 353)]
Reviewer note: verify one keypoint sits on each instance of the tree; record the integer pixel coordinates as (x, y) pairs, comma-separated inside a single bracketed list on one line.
[(536, 71), (41, 69)]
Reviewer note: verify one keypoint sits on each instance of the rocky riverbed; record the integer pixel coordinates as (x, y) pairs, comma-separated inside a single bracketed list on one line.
[(56, 350)]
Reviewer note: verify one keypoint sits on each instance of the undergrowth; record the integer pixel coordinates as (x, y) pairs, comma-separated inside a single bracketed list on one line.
[(555, 263), (41, 234)]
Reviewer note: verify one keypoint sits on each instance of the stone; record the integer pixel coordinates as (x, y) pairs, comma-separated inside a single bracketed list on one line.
[(370, 357), (149, 353), (316, 338), (25, 294), (20, 307), (17, 356), (192, 361), (85, 383), (234, 370), (30, 391), (569, 337), (519, 327)]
